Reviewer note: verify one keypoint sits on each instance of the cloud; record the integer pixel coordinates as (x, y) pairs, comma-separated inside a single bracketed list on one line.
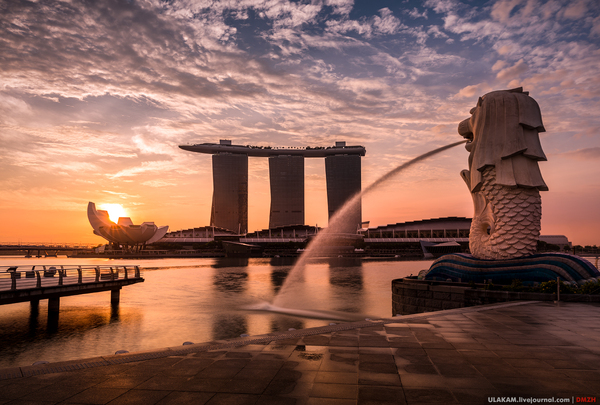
[(101, 93), (158, 183), (498, 65), (514, 71), (595, 31), (384, 24), (473, 91), (501, 9), (145, 168), (576, 10), (586, 154), (414, 13)]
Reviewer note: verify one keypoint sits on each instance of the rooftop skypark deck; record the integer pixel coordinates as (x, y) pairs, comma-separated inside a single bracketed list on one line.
[(268, 151), (286, 176)]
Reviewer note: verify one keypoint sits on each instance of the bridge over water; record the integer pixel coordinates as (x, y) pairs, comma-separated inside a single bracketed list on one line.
[(48, 249)]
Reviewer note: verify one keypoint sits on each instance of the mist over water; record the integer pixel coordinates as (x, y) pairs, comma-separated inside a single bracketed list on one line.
[(288, 294)]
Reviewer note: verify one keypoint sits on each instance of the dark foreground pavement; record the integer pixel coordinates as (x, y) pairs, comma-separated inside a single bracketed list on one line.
[(487, 354)]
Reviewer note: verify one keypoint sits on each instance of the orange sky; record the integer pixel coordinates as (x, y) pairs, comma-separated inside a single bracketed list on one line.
[(96, 97)]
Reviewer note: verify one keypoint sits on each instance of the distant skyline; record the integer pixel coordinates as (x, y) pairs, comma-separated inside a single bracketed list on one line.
[(95, 98)]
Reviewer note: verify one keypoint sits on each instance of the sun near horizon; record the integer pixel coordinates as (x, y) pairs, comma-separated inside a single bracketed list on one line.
[(115, 211)]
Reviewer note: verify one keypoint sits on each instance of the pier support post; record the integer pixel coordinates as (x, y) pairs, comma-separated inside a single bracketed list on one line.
[(34, 305), (115, 296), (53, 304)]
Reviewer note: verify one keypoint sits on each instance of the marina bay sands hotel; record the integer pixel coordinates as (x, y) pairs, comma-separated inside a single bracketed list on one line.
[(286, 173)]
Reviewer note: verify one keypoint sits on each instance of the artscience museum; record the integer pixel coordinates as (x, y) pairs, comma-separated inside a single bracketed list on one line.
[(124, 232)]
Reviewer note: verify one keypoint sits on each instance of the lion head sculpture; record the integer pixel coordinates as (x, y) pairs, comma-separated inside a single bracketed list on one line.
[(503, 132)]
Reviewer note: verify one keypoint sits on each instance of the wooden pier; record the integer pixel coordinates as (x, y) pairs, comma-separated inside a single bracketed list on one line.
[(26, 283)]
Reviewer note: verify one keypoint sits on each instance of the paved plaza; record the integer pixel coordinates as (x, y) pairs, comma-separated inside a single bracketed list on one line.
[(474, 355)]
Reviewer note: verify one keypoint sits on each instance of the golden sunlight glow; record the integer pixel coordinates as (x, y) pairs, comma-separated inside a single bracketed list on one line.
[(114, 211)]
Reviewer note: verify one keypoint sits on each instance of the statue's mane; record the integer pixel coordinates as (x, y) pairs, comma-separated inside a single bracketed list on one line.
[(506, 126)]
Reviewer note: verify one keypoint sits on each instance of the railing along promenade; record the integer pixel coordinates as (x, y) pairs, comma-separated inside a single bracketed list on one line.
[(34, 283)]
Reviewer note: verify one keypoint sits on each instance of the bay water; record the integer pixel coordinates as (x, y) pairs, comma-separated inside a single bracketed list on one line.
[(191, 300)]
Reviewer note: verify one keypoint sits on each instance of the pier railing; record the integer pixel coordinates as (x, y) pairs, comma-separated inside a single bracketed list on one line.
[(28, 277)]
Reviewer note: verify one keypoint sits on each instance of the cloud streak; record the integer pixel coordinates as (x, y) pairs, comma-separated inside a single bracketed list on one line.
[(103, 92)]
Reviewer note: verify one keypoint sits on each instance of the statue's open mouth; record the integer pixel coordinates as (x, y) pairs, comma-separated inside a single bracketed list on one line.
[(464, 129), (469, 144)]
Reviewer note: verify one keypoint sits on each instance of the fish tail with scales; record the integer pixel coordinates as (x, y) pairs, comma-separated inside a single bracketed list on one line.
[(507, 220)]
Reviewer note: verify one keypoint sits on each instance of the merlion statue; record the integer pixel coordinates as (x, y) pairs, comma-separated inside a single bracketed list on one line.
[(503, 177), (505, 182)]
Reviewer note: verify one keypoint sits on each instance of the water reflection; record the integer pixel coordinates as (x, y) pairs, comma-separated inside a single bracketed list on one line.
[(114, 313), (285, 323), (223, 262), (349, 278), (52, 324), (344, 262), (230, 281), (227, 326), (346, 278), (34, 313), (278, 275), (283, 261), (199, 301), (31, 333)]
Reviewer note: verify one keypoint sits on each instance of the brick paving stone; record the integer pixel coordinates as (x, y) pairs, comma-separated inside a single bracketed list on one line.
[(381, 394), (329, 377), (419, 369), (233, 399), (457, 370), (376, 358), (160, 382), (511, 386), (96, 395), (186, 398), (198, 383), (280, 387), (474, 395), (534, 349), (212, 372), (383, 368), (419, 396), (246, 386), (238, 355), (370, 378), (423, 380), (330, 401), (141, 397), (274, 400), (342, 391)]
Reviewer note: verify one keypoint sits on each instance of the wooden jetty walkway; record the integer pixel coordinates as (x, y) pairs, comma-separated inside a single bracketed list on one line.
[(35, 283)]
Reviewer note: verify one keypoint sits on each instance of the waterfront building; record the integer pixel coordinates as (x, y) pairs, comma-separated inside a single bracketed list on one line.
[(286, 173), (288, 233), (124, 232), (230, 192), (203, 234), (447, 229), (343, 174)]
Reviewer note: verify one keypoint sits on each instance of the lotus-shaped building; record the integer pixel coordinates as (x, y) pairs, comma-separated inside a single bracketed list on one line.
[(124, 232)]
